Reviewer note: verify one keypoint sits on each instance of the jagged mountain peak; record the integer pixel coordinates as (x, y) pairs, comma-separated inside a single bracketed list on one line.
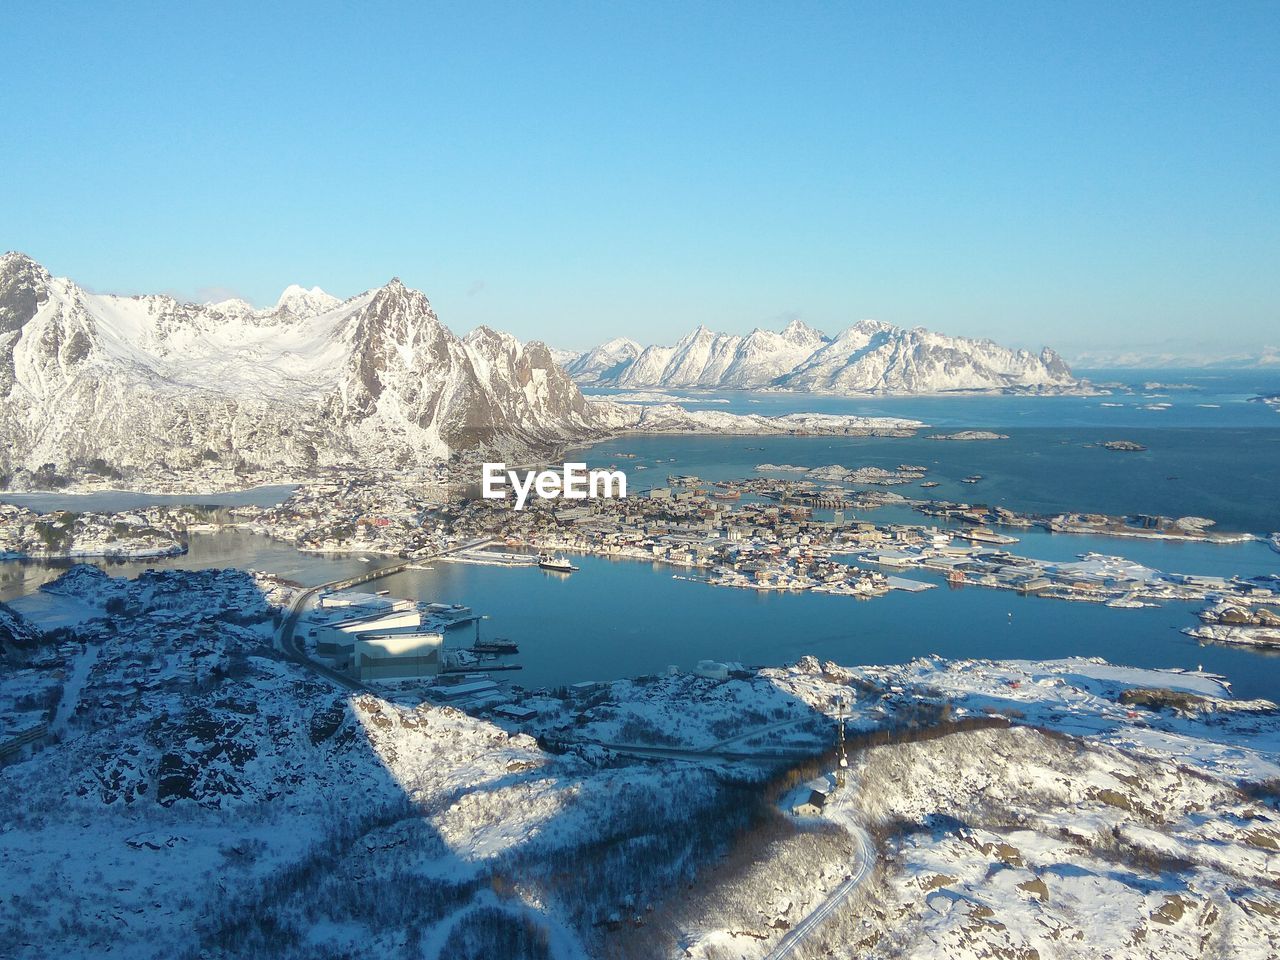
[(801, 334), (23, 287), (869, 356), (700, 332), (605, 361), (618, 344), (397, 304), (16, 259), (486, 336), (868, 326), (798, 328), (302, 301), (150, 381), (19, 269)]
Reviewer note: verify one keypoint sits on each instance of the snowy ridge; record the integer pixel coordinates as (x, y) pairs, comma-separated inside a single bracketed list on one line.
[(604, 361), (205, 796), (312, 380), (870, 357), (146, 385)]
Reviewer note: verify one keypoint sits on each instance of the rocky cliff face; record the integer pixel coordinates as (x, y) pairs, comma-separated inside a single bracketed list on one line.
[(868, 357), (376, 379)]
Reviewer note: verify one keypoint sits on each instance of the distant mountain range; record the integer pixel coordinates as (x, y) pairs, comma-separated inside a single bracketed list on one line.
[(1183, 358), (376, 379), (149, 383), (869, 357)]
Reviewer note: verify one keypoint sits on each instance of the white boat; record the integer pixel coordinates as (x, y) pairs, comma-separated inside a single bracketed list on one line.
[(1128, 603), (556, 564), (983, 535)]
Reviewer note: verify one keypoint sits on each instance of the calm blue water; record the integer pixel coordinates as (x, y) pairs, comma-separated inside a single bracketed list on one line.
[(1228, 474), (226, 548), (1221, 399), (113, 501), (622, 618)]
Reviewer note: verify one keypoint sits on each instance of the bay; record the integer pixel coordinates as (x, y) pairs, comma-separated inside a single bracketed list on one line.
[(623, 618)]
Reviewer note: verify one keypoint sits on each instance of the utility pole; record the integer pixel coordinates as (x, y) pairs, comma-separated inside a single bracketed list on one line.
[(844, 757)]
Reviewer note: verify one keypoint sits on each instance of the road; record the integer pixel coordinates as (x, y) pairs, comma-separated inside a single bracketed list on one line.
[(758, 732), (287, 642), (866, 859), (646, 751)]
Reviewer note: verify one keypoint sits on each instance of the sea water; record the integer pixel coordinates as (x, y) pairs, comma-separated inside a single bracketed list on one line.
[(622, 618), (1227, 474)]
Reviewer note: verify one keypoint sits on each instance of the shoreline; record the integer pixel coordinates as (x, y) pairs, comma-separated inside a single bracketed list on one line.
[(1064, 393), (81, 490)]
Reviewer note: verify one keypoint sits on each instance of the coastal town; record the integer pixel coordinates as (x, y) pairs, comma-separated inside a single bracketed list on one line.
[(65, 534), (787, 528), (765, 533)]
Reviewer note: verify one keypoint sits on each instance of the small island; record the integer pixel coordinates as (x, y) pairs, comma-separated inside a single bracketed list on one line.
[(969, 435), (1127, 446)]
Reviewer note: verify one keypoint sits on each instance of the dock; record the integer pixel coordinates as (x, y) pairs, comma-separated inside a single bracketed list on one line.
[(460, 621)]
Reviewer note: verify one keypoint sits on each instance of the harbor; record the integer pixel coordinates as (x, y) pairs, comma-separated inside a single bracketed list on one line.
[(876, 572)]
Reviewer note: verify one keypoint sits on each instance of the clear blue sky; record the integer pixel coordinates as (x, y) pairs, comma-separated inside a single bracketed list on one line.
[(1083, 174)]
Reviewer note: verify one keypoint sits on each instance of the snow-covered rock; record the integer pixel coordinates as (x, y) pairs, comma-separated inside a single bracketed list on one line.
[(603, 362), (375, 379), (868, 357), (707, 359)]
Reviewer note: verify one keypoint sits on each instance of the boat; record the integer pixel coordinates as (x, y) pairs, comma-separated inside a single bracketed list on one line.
[(496, 645), (972, 479), (556, 564), (983, 535), (1128, 602), (930, 484)]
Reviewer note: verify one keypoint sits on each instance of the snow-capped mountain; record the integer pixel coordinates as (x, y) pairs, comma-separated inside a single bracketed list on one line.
[(868, 357), (876, 357), (603, 362), (563, 357), (708, 359), (376, 379)]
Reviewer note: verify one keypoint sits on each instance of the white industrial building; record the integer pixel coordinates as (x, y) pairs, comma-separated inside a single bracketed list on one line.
[(377, 637), (335, 633), (393, 655), (364, 601)]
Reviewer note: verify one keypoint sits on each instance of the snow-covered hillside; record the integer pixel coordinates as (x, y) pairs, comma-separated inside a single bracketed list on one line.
[(868, 357), (708, 359), (375, 379), (198, 792), (603, 362)]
